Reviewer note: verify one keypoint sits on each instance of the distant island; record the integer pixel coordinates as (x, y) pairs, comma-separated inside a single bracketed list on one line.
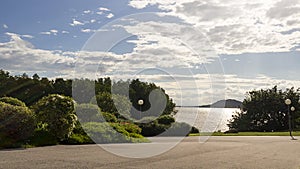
[(229, 103)]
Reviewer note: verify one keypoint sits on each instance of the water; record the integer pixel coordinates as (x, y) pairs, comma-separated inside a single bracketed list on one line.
[(206, 119)]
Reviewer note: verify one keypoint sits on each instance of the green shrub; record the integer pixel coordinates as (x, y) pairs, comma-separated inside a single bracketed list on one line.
[(152, 128), (113, 133), (103, 133), (194, 130), (109, 117), (12, 101), (87, 113), (131, 127), (166, 120), (78, 139), (55, 113), (16, 124), (178, 129), (135, 135), (115, 104), (42, 137)]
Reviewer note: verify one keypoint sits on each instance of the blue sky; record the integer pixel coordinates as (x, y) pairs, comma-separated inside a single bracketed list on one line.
[(207, 50)]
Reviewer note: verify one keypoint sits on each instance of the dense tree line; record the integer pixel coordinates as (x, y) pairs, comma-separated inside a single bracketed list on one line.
[(30, 90), (50, 114), (265, 110)]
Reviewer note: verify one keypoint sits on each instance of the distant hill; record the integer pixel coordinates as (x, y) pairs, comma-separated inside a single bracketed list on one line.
[(229, 103)]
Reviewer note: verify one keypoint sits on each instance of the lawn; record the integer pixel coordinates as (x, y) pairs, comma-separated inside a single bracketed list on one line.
[(296, 133)]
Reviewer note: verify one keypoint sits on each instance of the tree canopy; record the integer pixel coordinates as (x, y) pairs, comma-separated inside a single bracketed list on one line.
[(265, 110)]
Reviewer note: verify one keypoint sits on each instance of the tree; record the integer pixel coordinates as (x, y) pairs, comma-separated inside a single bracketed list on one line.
[(142, 90), (265, 110), (115, 104), (55, 113), (12, 101), (17, 123)]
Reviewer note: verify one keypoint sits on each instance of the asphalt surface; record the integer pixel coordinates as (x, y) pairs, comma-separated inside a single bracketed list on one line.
[(217, 152)]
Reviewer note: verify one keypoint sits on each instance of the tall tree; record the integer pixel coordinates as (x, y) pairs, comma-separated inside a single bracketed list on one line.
[(265, 110)]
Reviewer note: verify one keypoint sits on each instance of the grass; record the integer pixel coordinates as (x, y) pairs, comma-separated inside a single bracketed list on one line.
[(296, 133)]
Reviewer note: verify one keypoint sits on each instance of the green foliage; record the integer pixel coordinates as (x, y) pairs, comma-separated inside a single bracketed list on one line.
[(42, 137), (113, 132), (103, 133), (92, 113), (108, 117), (152, 128), (79, 139), (30, 90), (128, 127), (56, 114), (88, 113), (166, 120), (12, 101), (178, 129), (141, 90), (115, 104), (265, 110), (194, 130), (16, 124)]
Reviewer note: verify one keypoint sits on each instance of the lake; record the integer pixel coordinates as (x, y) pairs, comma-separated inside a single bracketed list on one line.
[(206, 119)]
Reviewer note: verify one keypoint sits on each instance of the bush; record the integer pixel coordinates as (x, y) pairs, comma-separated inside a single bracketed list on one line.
[(126, 128), (194, 130), (152, 128), (16, 124), (42, 137), (231, 131), (115, 104), (112, 133), (12, 101), (104, 133), (56, 114), (109, 117), (87, 113), (178, 129), (79, 139), (166, 120)]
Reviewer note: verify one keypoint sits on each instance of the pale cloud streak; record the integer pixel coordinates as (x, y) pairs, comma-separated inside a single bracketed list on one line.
[(110, 15), (236, 27), (76, 23)]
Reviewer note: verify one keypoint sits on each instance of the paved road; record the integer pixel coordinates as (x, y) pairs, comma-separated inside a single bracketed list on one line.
[(217, 152)]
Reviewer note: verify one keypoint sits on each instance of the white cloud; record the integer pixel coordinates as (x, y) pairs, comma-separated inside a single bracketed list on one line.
[(76, 23), (5, 26), (87, 30), (27, 36), (19, 55), (54, 31), (238, 26), (110, 15), (87, 11), (93, 20), (50, 32), (45, 33), (64, 32), (103, 9), (99, 13)]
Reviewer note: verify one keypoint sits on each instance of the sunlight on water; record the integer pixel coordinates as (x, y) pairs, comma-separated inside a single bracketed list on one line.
[(206, 119)]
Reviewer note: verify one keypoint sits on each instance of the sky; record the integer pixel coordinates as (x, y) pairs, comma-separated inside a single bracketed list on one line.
[(199, 51)]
